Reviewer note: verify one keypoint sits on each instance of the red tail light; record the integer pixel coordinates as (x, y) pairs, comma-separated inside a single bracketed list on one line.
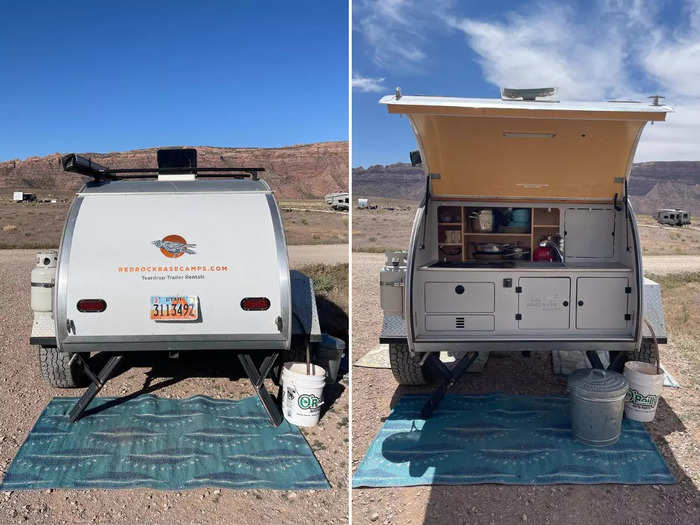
[(92, 305), (255, 303)]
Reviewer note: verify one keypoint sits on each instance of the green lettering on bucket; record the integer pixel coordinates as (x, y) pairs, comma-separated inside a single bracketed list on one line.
[(639, 400), (307, 401)]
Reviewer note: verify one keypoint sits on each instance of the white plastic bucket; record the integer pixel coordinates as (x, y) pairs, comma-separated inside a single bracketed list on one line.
[(645, 388), (302, 395)]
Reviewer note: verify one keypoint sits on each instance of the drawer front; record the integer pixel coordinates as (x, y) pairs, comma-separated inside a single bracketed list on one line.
[(461, 323), (459, 297)]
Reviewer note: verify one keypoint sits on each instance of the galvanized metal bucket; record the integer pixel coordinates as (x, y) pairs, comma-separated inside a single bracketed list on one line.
[(597, 401)]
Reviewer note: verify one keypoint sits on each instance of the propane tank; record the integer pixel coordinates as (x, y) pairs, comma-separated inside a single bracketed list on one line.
[(391, 281), (43, 278)]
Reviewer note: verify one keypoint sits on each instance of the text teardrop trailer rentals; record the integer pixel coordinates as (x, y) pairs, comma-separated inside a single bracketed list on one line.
[(174, 263), (525, 238)]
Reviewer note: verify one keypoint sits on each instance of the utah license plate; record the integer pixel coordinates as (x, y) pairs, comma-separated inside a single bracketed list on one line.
[(174, 308)]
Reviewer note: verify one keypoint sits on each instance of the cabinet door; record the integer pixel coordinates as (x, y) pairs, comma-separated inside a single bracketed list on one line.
[(543, 302), (602, 303), (589, 233)]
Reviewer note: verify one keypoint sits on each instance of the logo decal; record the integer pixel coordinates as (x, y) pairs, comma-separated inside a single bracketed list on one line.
[(308, 401), (641, 401), (174, 246)]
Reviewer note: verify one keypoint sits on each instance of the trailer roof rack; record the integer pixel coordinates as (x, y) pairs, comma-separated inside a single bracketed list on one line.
[(85, 166)]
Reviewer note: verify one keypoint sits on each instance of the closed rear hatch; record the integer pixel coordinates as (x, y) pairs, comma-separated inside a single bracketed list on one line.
[(193, 270)]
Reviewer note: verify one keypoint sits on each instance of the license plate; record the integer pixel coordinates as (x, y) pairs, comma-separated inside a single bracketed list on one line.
[(174, 308)]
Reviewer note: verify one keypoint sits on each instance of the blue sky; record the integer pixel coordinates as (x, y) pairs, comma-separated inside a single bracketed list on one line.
[(591, 50), (75, 77)]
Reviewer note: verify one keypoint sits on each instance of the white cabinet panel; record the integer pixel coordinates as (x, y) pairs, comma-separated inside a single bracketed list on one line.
[(589, 233), (601, 303), (459, 297), (543, 302)]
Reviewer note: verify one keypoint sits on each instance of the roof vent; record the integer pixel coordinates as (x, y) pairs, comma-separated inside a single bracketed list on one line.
[(172, 162), (533, 94)]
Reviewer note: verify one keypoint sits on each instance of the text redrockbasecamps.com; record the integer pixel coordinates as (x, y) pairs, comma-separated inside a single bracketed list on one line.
[(151, 269)]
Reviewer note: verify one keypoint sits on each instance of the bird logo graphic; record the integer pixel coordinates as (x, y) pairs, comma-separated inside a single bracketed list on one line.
[(174, 246)]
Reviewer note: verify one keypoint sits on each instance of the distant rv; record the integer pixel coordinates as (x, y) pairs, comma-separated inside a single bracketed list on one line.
[(672, 217), (23, 196), (338, 201)]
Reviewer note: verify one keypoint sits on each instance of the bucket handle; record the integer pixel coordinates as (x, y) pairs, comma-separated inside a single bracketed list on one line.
[(656, 346)]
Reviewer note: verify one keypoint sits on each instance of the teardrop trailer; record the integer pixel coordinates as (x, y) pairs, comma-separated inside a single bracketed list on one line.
[(525, 238), (174, 258)]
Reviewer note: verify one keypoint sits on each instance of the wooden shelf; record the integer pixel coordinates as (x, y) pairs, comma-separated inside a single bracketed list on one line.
[(450, 244), (450, 224), (545, 226), (496, 234)]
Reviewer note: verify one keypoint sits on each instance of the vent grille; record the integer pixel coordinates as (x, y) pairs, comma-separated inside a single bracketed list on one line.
[(459, 322)]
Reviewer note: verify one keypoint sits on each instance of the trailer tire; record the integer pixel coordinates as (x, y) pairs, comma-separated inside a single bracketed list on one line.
[(57, 369), (406, 366)]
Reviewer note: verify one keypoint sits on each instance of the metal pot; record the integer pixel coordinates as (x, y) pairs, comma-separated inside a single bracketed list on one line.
[(488, 250), (489, 247), (516, 252)]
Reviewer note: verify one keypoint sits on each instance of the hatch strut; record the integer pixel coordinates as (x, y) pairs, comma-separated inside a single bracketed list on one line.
[(448, 378), (84, 166)]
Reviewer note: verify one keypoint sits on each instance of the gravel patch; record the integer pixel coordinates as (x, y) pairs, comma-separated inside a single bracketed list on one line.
[(374, 393), (24, 395)]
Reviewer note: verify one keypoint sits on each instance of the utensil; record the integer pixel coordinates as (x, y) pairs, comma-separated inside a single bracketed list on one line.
[(481, 221)]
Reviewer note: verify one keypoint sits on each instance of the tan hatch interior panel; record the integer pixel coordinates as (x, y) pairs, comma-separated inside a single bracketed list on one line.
[(512, 153)]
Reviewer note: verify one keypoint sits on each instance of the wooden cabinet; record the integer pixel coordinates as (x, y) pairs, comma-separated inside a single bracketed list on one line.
[(457, 239)]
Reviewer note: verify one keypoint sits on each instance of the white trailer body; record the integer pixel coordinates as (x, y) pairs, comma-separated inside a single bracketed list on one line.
[(236, 251), (179, 263)]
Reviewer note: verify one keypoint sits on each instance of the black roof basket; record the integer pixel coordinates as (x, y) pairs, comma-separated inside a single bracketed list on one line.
[(170, 161)]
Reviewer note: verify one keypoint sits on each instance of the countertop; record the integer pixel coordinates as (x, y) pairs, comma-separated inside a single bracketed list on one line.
[(501, 266)]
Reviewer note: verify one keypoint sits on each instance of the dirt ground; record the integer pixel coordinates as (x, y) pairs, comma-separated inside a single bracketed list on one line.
[(39, 224), (676, 431), (24, 395), (389, 229)]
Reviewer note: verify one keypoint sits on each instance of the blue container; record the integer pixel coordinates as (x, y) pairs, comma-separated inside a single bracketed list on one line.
[(520, 217)]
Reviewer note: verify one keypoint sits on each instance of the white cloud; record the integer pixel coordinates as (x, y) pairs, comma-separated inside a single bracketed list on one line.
[(603, 50), (676, 139), (367, 85), (392, 28), (673, 59), (548, 46)]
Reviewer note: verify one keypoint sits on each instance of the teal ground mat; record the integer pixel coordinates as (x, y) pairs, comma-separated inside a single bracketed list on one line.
[(495, 438), (160, 443)]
